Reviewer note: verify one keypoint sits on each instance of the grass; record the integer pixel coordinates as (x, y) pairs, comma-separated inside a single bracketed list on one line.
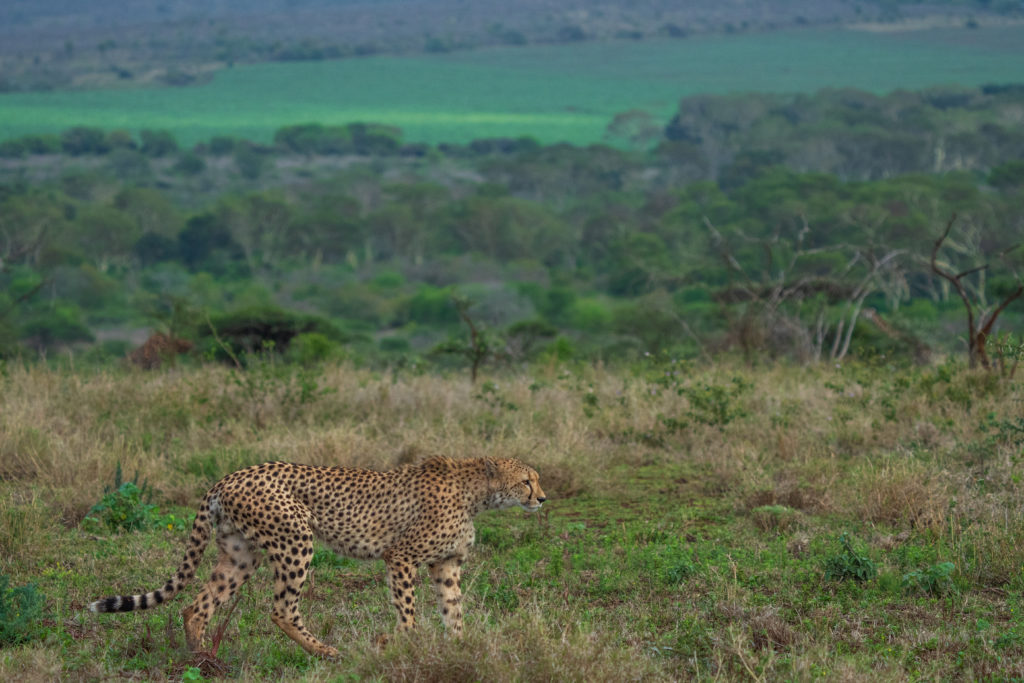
[(551, 92), (845, 523)]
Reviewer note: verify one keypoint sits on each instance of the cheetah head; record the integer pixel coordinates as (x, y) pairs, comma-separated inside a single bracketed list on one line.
[(514, 483)]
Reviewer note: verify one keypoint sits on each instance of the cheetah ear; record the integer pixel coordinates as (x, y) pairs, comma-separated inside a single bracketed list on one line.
[(490, 468)]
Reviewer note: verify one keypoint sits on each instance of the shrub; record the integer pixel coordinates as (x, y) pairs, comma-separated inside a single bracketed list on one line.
[(57, 327), (125, 509), (849, 564), (20, 611), (158, 143), (251, 161), (254, 330), (590, 315), (430, 306), (189, 164), (311, 347), (934, 580), (394, 344), (83, 140)]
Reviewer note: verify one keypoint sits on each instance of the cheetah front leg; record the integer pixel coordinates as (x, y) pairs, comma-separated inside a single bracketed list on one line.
[(401, 575), (444, 577)]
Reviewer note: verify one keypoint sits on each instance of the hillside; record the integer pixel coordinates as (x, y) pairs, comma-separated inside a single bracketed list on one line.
[(46, 45)]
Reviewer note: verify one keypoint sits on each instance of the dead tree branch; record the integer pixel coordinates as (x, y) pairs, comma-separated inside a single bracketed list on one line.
[(981, 323)]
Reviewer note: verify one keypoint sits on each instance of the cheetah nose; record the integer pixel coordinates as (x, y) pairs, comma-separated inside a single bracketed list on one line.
[(541, 500)]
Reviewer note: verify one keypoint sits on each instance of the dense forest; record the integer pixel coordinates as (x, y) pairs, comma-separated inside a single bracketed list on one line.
[(797, 226)]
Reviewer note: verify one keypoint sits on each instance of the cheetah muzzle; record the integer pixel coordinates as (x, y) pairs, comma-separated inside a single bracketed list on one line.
[(410, 516)]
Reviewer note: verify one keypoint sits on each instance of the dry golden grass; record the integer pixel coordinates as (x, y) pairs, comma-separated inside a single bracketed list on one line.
[(801, 455)]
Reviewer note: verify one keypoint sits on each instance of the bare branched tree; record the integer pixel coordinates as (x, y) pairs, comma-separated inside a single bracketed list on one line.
[(865, 272), (981, 316)]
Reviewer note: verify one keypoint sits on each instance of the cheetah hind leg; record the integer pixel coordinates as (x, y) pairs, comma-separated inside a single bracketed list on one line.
[(235, 564)]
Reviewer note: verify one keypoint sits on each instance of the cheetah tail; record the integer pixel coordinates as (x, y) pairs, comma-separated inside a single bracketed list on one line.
[(197, 542)]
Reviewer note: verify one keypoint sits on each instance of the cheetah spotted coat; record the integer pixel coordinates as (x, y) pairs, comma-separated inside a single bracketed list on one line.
[(410, 516)]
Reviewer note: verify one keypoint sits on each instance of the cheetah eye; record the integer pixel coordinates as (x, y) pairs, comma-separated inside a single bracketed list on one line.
[(526, 481)]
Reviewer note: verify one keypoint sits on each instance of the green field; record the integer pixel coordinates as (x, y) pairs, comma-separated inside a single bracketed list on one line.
[(554, 92)]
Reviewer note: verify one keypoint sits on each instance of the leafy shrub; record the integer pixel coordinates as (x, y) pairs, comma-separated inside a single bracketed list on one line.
[(678, 567), (62, 325), (311, 347), (250, 160), (849, 564), (222, 145), (430, 306), (394, 344), (83, 140), (255, 330), (20, 611), (125, 509), (158, 143), (189, 164), (935, 580), (716, 404), (590, 315)]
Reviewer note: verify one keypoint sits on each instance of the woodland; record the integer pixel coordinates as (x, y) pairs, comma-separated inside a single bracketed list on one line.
[(800, 226)]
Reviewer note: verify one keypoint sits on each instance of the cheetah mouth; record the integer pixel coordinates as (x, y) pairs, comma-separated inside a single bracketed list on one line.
[(531, 507)]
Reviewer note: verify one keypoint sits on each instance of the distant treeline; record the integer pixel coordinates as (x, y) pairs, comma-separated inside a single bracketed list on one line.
[(588, 252), (850, 133)]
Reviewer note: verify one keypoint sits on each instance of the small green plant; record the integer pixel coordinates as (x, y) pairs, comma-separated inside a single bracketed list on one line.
[(678, 568), (935, 580), (126, 508), (20, 611), (491, 395), (849, 564), (192, 674), (716, 404)]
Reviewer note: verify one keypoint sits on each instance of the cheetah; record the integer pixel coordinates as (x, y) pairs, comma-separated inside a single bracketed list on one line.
[(409, 516), (160, 348)]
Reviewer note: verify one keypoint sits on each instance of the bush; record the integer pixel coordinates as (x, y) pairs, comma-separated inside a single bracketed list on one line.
[(934, 580), (849, 564), (125, 509), (129, 165), (430, 306), (158, 143), (251, 162), (590, 315), (30, 144), (222, 145), (60, 326), (189, 164), (394, 344), (256, 330), (309, 348), (21, 609), (83, 140)]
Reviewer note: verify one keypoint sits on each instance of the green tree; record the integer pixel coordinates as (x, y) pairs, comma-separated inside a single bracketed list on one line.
[(105, 235), (158, 143), (83, 140), (262, 225), (151, 210)]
